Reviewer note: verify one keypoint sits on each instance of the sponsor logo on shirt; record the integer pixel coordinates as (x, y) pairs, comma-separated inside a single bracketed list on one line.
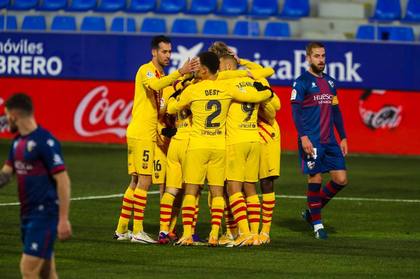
[(22, 168), (323, 98)]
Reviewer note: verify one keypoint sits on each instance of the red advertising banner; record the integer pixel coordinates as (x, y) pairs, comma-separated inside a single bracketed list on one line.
[(382, 122)]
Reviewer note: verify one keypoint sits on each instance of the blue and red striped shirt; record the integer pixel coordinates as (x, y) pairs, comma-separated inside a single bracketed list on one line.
[(35, 158)]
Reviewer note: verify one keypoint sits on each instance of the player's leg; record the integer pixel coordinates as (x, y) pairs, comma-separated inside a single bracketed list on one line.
[(335, 163), (48, 269), (188, 212), (195, 235), (143, 164), (30, 266), (228, 238)]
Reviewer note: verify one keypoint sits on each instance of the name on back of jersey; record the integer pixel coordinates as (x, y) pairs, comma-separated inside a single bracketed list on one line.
[(211, 92)]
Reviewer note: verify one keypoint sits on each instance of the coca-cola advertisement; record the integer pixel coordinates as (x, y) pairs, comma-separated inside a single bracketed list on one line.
[(383, 122)]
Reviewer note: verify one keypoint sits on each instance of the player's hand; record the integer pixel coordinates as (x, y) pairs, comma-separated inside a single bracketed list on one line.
[(307, 145), (64, 229), (191, 65), (344, 147), (231, 52), (169, 132)]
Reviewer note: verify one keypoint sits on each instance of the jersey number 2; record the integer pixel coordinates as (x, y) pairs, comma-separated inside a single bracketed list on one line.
[(218, 108)]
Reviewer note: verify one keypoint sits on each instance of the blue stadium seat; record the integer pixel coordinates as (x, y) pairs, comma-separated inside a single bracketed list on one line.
[(413, 11), (9, 21), (246, 28), (64, 23), (202, 7), (23, 4), (215, 27), (295, 8), (233, 7), (184, 26), (141, 6), (32, 22), (365, 32), (264, 8), (402, 33), (82, 5), (277, 29), (387, 10), (110, 5), (52, 5), (93, 23), (153, 25), (172, 6), (4, 3), (122, 24)]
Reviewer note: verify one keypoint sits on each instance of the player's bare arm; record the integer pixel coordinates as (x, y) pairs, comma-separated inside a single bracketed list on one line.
[(344, 146), (307, 145), (63, 190), (6, 174)]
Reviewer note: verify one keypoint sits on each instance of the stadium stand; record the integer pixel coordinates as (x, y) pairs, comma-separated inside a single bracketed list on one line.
[(123, 24), (277, 29), (387, 10), (184, 26), (172, 6), (153, 25), (202, 7), (141, 6), (412, 13), (401, 33), (82, 5), (110, 5), (233, 7), (8, 22), (246, 28), (93, 24), (215, 27), (4, 3), (23, 4), (52, 5), (64, 23), (295, 9), (33, 22), (264, 8)]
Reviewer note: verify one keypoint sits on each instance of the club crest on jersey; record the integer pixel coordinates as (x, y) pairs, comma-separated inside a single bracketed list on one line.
[(294, 94), (144, 166), (331, 83), (30, 145), (149, 74)]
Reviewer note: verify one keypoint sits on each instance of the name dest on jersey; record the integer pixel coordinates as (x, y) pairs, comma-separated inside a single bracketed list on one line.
[(323, 98), (211, 92)]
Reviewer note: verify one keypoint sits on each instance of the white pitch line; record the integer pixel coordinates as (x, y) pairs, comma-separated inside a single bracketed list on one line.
[(277, 196)]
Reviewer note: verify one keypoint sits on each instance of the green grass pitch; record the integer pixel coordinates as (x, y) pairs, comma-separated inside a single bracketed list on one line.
[(368, 238)]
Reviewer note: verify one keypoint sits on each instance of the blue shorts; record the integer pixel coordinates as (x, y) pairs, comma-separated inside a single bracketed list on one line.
[(327, 157), (38, 236)]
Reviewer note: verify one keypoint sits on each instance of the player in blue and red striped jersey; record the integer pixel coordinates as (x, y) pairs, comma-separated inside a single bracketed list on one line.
[(315, 114), (43, 187)]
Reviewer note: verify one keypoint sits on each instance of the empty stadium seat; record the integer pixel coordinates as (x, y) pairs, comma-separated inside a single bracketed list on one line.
[(153, 25), (141, 6), (413, 11), (8, 23), (295, 8), (246, 28), (4, 3), (122, 24), (184, 26), (32, 22), (277, 29), (402, 33), (52, 5), (64, 23), (23, 4), (387, 10), (233, 7), (93, 23), (264, 8), (172, 6), (82, 5), (202, 7), (110, 5), (365, 32), (215, 27)]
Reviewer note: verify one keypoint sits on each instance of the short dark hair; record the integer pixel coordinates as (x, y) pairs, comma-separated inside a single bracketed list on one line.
[(21, 102), (313, 45), (159, 39), (210, 60)]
